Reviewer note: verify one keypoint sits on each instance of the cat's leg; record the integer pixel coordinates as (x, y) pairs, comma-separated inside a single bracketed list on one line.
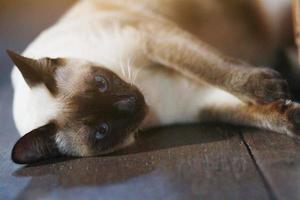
[(282, 116), (181, 51)]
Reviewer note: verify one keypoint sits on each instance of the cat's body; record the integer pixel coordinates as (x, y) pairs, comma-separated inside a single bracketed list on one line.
[(144, 42), (108, 38)]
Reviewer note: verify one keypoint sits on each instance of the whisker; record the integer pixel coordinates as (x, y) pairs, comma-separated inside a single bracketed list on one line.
[(129, 72), (136, 74), (122, 69)]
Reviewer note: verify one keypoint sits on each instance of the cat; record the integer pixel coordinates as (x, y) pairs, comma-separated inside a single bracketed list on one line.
[(109, 68)]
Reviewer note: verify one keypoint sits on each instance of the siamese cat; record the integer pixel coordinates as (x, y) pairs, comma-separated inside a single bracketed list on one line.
[(111, 67)]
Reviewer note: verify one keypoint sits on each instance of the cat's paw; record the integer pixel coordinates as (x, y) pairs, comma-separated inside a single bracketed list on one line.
[(266, 85), (293, 116), (286, 118)]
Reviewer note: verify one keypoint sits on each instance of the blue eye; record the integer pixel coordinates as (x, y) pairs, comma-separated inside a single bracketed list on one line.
[(102, 83), (101, 131)]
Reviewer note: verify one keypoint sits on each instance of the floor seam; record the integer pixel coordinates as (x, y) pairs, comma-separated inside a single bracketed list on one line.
[(268, 187)]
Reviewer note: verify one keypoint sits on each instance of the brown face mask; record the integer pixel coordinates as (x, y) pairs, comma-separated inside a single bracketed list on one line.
[(100, 110)]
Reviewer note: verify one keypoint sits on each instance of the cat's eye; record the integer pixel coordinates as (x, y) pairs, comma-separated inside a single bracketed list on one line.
[(102, 83), (102, 131)]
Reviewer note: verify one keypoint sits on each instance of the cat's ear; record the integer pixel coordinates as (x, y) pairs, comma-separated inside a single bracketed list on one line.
[(40, 71), (38, 144)]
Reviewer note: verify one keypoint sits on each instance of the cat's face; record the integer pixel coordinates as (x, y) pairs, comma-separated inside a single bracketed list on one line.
[(99, 114)]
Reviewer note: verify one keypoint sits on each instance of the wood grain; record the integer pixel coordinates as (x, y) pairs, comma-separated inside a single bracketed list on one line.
[(278, 158), (208, 161)]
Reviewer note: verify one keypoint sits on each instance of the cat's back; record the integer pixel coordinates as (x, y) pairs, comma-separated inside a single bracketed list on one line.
[(250, 22)]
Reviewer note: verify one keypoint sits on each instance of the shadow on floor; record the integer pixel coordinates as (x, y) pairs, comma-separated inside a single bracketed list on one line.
[(176, 136), (151, 150)]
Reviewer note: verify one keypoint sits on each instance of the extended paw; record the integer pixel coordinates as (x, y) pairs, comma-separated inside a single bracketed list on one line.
[(293, 116), (266, 85)]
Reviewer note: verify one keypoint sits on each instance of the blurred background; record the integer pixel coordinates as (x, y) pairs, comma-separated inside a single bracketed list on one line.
[(20, 22)]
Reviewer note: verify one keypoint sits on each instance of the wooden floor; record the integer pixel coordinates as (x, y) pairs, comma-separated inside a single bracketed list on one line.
[(206, 161)]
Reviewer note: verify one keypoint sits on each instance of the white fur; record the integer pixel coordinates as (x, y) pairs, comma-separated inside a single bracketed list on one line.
[(32, 108)]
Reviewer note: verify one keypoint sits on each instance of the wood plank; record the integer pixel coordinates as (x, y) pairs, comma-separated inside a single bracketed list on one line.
[(8, 132), (278, 158), (191, 162)]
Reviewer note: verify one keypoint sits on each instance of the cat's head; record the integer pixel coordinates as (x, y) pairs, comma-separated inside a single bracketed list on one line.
[(99, 111)]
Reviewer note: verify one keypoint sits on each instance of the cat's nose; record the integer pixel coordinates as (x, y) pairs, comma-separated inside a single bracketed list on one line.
[(126, 105)]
